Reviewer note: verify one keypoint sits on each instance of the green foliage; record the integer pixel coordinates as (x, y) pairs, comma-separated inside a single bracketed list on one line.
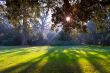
[(18, 9), (81, 12), (22, 10)]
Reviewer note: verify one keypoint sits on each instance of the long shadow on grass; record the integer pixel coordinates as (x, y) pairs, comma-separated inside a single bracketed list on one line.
[(98, 59), (60, 62), (57, 62), (15, 52), (28, 66), (98, 62)]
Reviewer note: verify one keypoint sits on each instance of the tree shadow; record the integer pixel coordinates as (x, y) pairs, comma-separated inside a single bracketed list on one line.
[(13, 52), (93, 59), (97, 62), (58, 61), (26, 66)]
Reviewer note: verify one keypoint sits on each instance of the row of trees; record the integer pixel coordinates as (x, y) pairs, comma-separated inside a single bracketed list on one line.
[(29, 17), (23, 16)]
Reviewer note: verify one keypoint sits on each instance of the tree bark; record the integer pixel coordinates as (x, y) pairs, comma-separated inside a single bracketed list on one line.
[(24, 32)]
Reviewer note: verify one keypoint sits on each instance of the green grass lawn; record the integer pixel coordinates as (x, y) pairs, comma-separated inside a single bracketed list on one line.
[(55, 59)]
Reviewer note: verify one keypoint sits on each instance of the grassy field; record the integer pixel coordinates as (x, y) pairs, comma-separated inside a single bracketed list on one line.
[(55, 59)]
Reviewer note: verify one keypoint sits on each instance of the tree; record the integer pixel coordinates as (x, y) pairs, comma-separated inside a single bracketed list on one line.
[(19, 12), (71, 15), (44, 20), (80, 12)]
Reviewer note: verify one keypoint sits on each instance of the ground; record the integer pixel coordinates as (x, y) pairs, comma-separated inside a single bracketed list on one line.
[(55, 59)]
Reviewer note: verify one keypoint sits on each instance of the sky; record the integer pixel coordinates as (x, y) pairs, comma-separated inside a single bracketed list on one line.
[(2, 2)]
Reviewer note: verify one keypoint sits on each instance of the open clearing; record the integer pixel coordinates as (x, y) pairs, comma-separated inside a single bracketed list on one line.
[(55, 59)]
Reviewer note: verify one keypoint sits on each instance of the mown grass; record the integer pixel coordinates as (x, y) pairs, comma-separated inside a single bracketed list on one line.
[(55, 59)]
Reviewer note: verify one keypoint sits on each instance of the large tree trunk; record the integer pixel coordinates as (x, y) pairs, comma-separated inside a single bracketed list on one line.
[(24, 32)]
